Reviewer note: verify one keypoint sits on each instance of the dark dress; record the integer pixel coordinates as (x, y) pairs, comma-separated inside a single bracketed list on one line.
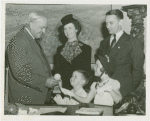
[(80, 59)]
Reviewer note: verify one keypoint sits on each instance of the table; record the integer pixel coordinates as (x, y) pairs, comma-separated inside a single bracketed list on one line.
[(107, 110)]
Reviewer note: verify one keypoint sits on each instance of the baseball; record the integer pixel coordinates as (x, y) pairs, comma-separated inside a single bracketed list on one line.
[(57, 77)]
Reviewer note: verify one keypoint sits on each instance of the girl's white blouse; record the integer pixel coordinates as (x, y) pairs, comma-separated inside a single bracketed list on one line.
[(104, 98)]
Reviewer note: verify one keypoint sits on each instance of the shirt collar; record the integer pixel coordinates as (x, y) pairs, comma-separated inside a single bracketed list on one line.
[(118, 35), (29, 32)]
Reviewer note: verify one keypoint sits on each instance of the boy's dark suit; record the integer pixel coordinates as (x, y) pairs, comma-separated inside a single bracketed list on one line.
[(65, 69), (29, 70), (129, 60)]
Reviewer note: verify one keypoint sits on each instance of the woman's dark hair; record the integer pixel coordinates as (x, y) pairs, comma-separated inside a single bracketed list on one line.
[(77, 26), (85, 75), (62, 38), (116, 12), (70, 19)]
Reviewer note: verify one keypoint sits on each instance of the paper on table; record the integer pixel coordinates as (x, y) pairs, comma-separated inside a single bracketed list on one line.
[(22, 112), (49, 110), (32, 111), (92, 111)]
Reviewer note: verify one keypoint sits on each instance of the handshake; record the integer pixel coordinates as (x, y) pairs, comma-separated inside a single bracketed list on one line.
[(56, 80), (53, 81)]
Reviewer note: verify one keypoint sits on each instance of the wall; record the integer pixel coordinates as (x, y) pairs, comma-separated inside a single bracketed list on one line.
[(91, 18), (127, 22)]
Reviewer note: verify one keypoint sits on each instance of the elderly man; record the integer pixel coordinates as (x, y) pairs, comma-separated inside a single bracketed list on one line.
[(124, 52), (29, 68)]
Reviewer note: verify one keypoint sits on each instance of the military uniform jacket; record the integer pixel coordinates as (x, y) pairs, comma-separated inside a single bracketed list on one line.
[(129, 59), (28, 70), (81, 61)]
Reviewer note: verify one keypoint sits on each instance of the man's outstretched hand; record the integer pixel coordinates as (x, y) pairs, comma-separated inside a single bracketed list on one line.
[(51, 82)]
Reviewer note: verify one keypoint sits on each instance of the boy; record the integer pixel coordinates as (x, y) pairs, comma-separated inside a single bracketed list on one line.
[(78, 80)]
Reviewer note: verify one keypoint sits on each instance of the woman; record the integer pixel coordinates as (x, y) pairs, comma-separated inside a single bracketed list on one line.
[(105, 91), (73, 55)]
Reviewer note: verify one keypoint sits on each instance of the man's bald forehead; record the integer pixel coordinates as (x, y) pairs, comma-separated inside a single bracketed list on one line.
[(37, 15)]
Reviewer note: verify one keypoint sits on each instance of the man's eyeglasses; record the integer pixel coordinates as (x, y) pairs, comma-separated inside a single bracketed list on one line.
[(42, 28)]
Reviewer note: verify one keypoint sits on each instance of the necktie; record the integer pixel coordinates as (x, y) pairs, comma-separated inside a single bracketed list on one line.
[(113, 42)]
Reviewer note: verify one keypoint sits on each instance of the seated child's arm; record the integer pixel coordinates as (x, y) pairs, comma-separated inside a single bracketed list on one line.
[(58, 99), (89, 97), (114, 91), (64, 101)]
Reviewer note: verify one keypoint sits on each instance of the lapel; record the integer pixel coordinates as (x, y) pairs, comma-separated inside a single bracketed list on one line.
[(122, 43), (62, 55), (35, 47), (79, 55)]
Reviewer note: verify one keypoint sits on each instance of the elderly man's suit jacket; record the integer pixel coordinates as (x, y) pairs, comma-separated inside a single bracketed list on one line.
[(129, 58), (29, 70)]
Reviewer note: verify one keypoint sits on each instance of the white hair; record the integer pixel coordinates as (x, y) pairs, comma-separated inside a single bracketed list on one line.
[(36, 15)]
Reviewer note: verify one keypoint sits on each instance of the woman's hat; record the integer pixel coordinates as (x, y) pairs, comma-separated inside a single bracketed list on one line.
[(67, 19), (110, 66)]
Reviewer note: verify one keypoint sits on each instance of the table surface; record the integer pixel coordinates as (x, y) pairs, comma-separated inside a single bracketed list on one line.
[(107, 110)]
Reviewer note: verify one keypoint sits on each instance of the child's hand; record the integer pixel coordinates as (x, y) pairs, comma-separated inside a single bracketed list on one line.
[(58, 78), (60, 83)]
